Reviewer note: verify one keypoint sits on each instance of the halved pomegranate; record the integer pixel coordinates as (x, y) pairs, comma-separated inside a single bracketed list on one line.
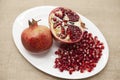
[(66, 25)]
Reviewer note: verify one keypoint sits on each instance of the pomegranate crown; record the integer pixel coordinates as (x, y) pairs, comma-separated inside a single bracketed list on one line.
[(33, 22)]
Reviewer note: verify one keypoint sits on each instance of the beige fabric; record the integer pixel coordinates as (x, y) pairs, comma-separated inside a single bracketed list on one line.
[(104, 13)]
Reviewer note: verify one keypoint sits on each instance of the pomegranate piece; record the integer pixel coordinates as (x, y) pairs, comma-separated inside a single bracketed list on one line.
[(81, 56), (36, 37), (66, 25)]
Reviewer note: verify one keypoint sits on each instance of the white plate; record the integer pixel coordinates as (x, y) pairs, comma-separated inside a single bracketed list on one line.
[(45, 62)]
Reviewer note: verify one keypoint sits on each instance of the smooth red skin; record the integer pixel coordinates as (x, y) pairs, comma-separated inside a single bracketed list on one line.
[(57, 38), (37, 38)]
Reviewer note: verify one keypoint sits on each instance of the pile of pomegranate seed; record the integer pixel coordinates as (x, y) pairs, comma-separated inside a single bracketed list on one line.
[(81, 56)]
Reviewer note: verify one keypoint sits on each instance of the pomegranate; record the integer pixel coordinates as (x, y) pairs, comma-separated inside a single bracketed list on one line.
[(81, 56), (66, 25), (36, 37)]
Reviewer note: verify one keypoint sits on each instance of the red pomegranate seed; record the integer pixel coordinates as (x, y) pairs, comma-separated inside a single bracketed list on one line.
[(81, 56), (54, 19)]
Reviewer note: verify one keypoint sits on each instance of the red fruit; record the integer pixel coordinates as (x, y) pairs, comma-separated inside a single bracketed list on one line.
[(66, 25), (36, 37)]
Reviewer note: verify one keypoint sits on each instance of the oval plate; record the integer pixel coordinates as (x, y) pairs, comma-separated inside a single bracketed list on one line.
[(45, 62)]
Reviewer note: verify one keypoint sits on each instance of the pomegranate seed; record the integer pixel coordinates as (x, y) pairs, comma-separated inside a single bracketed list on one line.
[(54, 19), (102, 47), (61, 69), (81, 56)]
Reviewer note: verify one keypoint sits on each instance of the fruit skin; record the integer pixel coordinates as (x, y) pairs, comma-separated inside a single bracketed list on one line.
[(36, 37), (82, 27)]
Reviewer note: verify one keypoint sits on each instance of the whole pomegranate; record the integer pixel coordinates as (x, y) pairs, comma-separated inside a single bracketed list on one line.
[(66, 25), (36, 37)]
